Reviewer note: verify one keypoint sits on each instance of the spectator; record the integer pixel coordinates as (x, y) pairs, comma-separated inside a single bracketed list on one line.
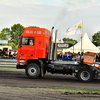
[(67, 53), (70, 57), (59, 56), (65, 57), (79, 53), (73, 58), (12, 52), (82, 57), (3, 52), (0, 52), (6, 55), (15, 55), (77, 57), (10, 55)]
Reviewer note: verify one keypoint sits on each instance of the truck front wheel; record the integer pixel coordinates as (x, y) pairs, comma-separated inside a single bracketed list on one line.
[(85, 75), (32, 70)]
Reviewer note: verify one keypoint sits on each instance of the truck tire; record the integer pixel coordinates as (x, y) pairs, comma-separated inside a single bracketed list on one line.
[(85, 75), (32, 70)]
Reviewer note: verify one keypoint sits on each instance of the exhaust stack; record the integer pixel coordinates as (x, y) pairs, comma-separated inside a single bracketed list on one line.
[(55, 47), (51, 46)]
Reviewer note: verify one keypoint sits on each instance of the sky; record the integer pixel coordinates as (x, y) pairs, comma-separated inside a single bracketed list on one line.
[(61, 14)]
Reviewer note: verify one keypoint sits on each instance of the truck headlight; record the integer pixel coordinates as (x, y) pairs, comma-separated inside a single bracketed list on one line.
[(22, 62)]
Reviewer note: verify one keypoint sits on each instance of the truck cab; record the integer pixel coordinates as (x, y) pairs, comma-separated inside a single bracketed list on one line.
[(33, 45)]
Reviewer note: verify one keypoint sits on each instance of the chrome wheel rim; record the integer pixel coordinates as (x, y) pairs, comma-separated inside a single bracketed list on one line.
[(32, 71), (85, 75)]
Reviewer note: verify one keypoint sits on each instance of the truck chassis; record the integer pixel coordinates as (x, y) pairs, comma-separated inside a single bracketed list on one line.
[(82, 72)]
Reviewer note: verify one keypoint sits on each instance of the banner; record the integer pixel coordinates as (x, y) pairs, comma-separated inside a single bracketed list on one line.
[(3, 41)]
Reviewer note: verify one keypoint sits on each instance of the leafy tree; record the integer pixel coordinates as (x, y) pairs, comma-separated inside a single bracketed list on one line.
[(13, 45), (68, 39), (96, 39), (16, 29), (64, 39), (4, 34)]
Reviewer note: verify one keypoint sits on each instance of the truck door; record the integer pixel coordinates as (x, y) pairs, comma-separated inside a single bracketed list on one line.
[(39, 50), (27, 47)]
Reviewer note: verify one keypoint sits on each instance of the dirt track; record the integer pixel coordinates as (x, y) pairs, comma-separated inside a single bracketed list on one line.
[(14, 85)]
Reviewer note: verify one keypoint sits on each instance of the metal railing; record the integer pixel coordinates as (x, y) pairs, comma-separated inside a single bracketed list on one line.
[(8, 62)]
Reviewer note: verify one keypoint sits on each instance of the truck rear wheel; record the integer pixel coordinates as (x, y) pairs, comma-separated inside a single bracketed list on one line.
[(32, 70), (85, 75)]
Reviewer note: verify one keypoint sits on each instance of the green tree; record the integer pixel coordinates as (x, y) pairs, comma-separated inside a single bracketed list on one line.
[(64, 39), (13, 45), (96, 39), (16, 30), (4, 34), (68, 39)]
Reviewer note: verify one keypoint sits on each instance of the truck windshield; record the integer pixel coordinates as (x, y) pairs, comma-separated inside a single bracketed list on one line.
[(27, 41)]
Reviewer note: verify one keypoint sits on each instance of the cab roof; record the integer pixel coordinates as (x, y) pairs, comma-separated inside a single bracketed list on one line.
[(36, 31)]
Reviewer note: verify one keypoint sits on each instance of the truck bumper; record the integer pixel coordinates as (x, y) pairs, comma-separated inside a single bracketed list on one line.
[(20, 66)]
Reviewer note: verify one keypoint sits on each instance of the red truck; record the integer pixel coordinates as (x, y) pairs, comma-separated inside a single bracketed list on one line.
[(37, 55)]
